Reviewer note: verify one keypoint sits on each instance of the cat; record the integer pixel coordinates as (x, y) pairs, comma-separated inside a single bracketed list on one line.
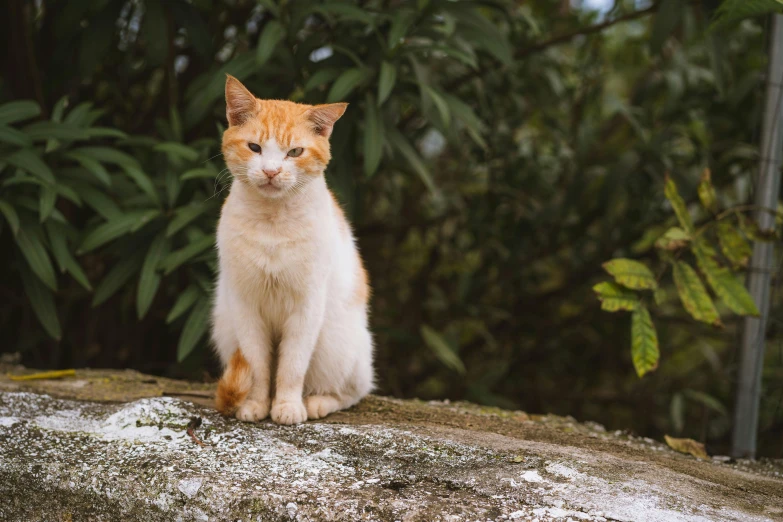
[(292, 292)]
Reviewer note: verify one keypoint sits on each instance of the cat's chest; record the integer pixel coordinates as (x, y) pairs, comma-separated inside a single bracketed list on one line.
[(266, 249)]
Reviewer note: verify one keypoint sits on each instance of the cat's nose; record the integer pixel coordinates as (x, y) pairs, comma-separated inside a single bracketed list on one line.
[(271, 173)]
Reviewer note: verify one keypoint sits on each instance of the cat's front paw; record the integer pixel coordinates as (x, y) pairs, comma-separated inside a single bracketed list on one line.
[(289, 412), (253, 410)]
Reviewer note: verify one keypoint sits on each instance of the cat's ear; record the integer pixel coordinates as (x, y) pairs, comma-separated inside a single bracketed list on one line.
[(324, 117), (240, 103)]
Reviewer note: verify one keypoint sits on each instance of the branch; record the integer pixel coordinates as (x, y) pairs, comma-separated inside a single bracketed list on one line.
[(557, 40)]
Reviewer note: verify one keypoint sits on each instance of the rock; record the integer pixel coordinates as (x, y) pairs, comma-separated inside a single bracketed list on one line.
[(386, 459)]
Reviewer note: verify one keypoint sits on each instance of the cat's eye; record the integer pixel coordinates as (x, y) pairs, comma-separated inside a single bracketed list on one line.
[(294, 153), (255, 147)]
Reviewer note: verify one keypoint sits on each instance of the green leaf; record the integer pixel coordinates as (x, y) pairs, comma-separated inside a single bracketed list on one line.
[(441, 349), (47, 201), (110, 230), (181, 256), (91, 164), (68, 193), (29, 161), (644, 342), (33, 250), (673, 239), (707, 194), (271, 35), (149, 279), (346, 83), (733, 245), (440, 104), (184, 216), (100, 202), (42, 303), (733, 11), (707, 400), (373, 137), (47, 130), (117, 276), (472, 122), (104, 132), (631, 274), (346, 12), (145, 218), (724, 283), (178, 150), (201, 173), (183, 303), (10, 215), (399, 142), (386, 80), (401, 21), (694, 296), (670, 190), (321, 77), (194, 329), (475, 27), (614, 297), (143, 182), (108, 155), (14, 111), (63, 256), (79, 115), (14, 137), (668, 17)]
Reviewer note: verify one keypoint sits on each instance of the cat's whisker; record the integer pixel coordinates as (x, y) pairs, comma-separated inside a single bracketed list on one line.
[(213, 157)]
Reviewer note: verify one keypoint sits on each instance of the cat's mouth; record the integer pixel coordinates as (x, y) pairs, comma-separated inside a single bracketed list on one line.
[(269, 188)]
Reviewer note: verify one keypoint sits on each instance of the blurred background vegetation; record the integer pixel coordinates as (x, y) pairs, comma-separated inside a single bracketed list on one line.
[(494, 155)]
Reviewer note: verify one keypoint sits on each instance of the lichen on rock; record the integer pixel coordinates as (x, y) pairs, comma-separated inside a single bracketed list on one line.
[(384, 460)]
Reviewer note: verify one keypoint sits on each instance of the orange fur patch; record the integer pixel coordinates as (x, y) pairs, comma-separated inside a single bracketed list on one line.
[(235, 384), (291, 124), (338, 211), (363, 290)]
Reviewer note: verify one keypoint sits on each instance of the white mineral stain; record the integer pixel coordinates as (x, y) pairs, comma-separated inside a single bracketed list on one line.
[(189, 487), (140, 451), (532, 476)]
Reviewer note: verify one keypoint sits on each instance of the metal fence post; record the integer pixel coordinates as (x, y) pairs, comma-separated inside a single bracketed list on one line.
[(746, 408)]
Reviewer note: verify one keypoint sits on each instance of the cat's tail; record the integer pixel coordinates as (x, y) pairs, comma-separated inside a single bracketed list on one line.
[(235, 384)]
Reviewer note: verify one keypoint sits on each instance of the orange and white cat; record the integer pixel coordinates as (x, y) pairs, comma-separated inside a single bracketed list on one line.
[(290, 313)]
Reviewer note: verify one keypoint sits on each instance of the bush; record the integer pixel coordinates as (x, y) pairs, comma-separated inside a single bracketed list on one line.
[(494, 155)]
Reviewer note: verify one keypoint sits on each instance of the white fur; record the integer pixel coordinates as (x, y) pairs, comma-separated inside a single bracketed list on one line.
[(289, 273)]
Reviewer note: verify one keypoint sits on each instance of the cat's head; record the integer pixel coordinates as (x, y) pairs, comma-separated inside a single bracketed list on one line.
[(276, 146)]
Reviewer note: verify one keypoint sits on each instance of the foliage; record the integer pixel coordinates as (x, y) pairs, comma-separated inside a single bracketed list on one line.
[(494, 156), (671, 246), (102, 196)]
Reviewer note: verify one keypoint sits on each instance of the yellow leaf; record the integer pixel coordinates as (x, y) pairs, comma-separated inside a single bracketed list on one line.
[(614, 297), (733, 245), (723, 282), (670, 190), (687, 446), (693, 295), (644, 341), (57, 374), (674, 239), (631, 274), (707, 192)]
